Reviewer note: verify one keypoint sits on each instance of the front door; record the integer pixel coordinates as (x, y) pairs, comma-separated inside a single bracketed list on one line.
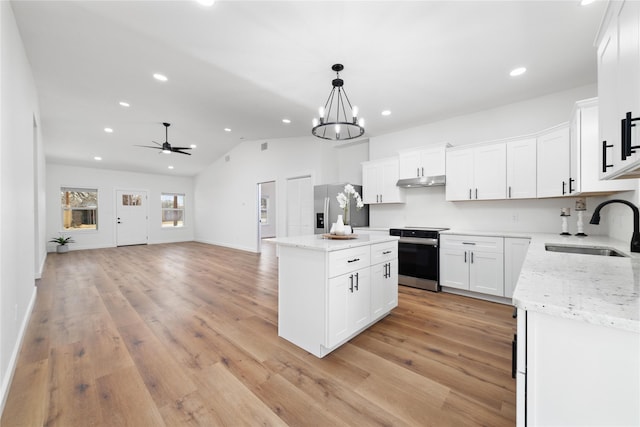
[(131, 217)]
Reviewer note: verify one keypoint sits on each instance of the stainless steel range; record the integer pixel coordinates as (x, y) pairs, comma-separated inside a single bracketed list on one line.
[(418, 262)]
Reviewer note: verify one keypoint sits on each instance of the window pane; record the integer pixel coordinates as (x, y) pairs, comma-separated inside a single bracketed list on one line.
[(131, 200), (79, 208), (172, 201), (172, 218)]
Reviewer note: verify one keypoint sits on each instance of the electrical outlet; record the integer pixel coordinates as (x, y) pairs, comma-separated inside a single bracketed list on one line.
[(515, 218)]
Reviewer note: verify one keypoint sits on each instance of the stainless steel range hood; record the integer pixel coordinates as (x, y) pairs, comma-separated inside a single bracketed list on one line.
[(423, 181)]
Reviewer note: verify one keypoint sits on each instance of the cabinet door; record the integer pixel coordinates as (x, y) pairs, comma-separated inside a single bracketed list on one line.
[(486, 272), (489, 172), (553, 163), (349, 305), (390, 192), (459, 167), (454, 268), (371, 183), (515, 251), (521, 169), (409, 164), (432, 161), (384, 288), (628, 70), (359, 301)]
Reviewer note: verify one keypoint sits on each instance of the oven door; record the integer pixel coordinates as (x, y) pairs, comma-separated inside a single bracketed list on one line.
[(418, 263)]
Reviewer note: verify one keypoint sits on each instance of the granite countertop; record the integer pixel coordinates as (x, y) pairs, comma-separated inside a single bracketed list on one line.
[(319, 243), (602, 290)]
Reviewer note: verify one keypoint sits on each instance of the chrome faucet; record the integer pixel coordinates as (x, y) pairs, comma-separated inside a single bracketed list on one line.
[(635, 239)]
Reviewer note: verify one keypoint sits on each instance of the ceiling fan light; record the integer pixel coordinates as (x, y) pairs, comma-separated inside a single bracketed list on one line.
[(160, 77)]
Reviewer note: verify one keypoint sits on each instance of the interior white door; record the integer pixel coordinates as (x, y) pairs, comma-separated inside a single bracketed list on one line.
[(131, 217), (299, 206)]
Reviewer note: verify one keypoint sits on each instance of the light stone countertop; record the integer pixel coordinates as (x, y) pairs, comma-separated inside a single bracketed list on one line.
[(602, 290), (319, 243)]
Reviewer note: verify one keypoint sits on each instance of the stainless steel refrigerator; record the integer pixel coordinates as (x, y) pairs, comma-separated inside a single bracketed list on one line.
[(327, 209)]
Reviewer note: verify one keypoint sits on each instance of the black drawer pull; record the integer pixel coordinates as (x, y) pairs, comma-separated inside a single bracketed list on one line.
[(386, 252), (353, 260)]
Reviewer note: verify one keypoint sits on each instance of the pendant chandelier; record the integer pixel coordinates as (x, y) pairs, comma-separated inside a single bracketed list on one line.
[(338, 121)]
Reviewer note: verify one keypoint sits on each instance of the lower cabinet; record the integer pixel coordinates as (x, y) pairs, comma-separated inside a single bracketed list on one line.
[(473, 263), (326, 298)]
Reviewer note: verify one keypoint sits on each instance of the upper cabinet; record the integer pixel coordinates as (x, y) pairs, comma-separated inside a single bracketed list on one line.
[(476, 173), (422, 162), (554, 163), (618, 57), (521, 169), (379, 179)]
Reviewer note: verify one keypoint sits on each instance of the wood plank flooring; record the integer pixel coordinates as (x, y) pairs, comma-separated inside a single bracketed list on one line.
[(186, 335)]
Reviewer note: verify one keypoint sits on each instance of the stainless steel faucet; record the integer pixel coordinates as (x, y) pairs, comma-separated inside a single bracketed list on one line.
[(635, 239)]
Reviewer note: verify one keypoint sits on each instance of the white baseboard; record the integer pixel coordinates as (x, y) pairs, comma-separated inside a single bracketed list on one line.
[(41, 268), (477, 295), (11, 368), (227, 245)]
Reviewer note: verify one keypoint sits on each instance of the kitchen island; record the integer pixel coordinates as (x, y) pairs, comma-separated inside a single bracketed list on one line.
[(331, 290), (578, 341)]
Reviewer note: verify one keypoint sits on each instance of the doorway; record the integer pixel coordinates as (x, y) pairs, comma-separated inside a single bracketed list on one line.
[(299, 206), (132, 217), (266, 211)]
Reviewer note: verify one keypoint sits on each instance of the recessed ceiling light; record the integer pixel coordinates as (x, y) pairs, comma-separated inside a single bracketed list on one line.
[(586, 2), (518, 71), (170, 167), (160, 77), (108, 130), (97, 158), (206, 3), (386, 113), (193, 146), (227, 130), (287, 121), (124, 104)]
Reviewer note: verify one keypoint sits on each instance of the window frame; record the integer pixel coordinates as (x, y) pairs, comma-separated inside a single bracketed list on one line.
[(69, 189), (179, 209)]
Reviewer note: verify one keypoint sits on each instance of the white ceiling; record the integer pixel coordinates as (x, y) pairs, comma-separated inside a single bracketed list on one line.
[(247, 65)]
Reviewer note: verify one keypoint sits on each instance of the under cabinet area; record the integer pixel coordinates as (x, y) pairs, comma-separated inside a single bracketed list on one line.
[(331, 290)]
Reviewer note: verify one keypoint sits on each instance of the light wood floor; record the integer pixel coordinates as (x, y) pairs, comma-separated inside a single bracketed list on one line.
[(186, 334)]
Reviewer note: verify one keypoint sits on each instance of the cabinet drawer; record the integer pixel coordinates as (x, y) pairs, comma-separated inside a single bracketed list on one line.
[(480, 243), (344, 261), (383, 252)]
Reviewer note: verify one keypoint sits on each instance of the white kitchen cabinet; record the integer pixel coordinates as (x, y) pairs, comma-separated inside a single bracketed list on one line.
[(521, 169), (422, 162), (554, 163), (379, 178), (618, 58), (576, 373), (329, 292), (587, 154), (515, 251), (349, 305), (476, 173), (473, 263)]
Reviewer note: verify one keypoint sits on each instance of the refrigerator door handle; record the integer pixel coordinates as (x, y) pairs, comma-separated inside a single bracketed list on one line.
[(326, 215)]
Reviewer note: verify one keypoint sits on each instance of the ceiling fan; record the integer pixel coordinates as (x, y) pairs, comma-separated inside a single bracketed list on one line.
[(165, 146)]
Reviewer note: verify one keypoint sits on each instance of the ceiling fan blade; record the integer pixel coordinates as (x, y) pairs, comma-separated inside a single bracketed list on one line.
[(157, 143), (181, 152), (180, 148), (149, 146)]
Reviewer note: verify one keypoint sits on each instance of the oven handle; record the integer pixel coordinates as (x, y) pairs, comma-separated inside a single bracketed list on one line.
[(419, 241)]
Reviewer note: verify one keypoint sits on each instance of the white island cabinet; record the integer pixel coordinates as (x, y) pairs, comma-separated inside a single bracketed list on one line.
[(331, 290)]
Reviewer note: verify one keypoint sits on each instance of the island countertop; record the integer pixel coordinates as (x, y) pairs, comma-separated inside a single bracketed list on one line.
[(319, 243)]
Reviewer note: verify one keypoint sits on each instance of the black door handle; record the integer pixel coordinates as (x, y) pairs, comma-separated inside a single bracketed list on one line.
[(604, 156)]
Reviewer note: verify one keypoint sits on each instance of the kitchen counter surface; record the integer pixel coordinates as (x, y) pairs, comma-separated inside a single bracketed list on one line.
[(603, 290), (319, 243)]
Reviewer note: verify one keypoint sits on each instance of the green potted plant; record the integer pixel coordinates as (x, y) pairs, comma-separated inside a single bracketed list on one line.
[(62, 244)]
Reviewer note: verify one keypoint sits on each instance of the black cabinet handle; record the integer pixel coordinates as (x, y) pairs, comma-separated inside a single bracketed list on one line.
[(514, 356), (386, 252), (418, 172), (509, 191), (353, 260), (625, 137), (465, 257), (469, 194), (476, 194), (471, 257), (564, 184), (357, 281), (571, 190), (604, 156), (351, 283)]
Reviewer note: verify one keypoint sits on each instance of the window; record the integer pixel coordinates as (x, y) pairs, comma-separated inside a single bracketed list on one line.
[(264, 210), (172, 210), (79, 208)]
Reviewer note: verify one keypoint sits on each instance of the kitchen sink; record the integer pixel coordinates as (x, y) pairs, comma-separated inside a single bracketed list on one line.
[(587, 250)]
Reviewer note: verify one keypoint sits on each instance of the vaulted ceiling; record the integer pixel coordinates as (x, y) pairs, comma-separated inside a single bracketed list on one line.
[(246, 65)]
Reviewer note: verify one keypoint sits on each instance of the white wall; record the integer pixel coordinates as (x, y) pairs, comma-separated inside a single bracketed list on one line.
[(226, 192), (19, 193), (107, 182), (427, 206)]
